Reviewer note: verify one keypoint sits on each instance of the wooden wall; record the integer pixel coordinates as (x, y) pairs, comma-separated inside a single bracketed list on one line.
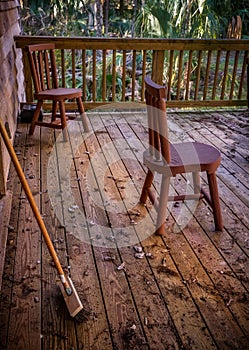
[(11, 79)]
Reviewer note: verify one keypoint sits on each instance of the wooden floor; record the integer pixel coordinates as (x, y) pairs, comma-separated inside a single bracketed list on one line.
[(186, 290)]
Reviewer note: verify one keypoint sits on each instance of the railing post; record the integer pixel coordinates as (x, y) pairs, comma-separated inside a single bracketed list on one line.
[(27, 77), (157, 66)]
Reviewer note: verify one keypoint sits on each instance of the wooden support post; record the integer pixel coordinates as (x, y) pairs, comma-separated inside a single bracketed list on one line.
[(157, 66), (27, 78)]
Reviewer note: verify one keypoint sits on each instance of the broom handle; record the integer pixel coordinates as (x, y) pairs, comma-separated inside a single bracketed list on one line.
[(34, 208)]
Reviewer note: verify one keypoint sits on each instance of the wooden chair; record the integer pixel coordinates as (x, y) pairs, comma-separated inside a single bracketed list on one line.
[(44, 74), (171, 159)]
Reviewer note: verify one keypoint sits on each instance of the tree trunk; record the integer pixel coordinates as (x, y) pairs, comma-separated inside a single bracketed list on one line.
[(121, 7), (187, 19), (134, 18), (106, 15), (99, 17)]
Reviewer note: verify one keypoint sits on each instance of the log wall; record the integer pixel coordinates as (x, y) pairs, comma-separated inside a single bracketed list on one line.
[(11, 78), (11, 92)]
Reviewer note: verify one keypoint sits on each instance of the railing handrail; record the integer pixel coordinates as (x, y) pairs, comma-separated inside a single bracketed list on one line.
[(134, 43), (226, 89)]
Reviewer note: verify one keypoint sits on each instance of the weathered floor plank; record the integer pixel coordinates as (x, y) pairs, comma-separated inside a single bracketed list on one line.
[(244, 318), (24, 319), (166, 271), (188, 290)]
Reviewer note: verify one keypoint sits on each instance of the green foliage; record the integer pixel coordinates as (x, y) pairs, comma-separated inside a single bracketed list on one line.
[(168, 19), (72, 18), (161, 18), (149, 18), (56, 17)]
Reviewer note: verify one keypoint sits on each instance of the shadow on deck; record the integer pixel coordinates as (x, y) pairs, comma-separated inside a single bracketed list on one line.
[(187, 290)]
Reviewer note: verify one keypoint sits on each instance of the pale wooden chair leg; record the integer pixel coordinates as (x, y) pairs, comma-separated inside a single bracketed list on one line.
[(35, 117), (196, 182), (83, 114), (63, 120), (146, 186), (162, 209), (214, 194)]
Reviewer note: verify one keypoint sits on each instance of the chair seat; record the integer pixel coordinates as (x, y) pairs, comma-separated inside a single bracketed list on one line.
[(58, 94), (185, 157)]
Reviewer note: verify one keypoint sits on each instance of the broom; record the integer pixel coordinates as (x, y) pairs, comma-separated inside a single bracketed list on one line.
[(69, 293)]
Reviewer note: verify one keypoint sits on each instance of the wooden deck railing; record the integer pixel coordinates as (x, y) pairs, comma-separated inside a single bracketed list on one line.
[(197, 72)]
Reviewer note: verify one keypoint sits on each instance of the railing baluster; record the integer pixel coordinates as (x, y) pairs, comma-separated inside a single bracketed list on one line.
[(235, 66), (189, 68), (133, 85), (198, 74), (143, 75), (104, 75), (157, 66), (83, 59), (170, 72), (114, 75), (73, 68), (224, 78), (207, 75), (242, 77), (124, 75), (63, 80), (179, 79), (216, 74), (94, 77)]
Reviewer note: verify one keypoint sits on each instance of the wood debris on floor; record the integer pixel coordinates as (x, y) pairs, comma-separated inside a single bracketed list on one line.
[(185, 290)]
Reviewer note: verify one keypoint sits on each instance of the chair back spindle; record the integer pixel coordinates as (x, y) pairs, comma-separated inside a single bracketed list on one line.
[(155, 96), (43, 67)]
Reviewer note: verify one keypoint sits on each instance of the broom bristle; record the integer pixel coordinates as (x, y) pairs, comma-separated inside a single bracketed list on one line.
[(83, 315), (74, 304)]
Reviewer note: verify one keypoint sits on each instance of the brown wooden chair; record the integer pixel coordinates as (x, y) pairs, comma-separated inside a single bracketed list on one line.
[(44, 74), (171, 159)]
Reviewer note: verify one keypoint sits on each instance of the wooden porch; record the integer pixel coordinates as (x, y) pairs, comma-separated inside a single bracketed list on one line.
[(190, 288)]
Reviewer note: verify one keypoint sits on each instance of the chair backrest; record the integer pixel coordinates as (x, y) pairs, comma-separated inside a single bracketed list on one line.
[(42, 66), (155, 97)]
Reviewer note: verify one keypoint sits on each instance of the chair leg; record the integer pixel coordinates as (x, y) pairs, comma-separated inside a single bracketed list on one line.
[(63, 120), (83, 114), (146, 186), (54, 111), (35, 117), (196, 182), (162, 209), (214, 194)]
